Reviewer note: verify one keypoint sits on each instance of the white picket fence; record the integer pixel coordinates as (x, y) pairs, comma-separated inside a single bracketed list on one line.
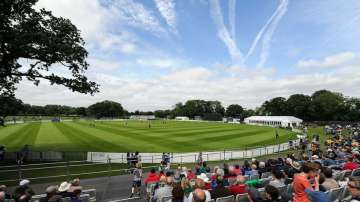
[(192, 157)]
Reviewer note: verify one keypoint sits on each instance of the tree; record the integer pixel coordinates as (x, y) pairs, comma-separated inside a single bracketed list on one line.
[(234, 111), (325, 105), (9, 105), (298, 105), (45, 41), (275, 107), (107, 109)]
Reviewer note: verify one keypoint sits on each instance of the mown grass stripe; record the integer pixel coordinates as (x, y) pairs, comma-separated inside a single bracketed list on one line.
[(85, 141), (163, 141)]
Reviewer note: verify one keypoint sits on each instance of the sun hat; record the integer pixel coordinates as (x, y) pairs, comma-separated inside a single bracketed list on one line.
[(24, 182), (51, 189), (203, 177), (296, 165), (64, 186)]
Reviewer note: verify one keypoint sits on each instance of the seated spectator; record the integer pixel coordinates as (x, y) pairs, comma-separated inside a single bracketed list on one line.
[(277, 178), (3, 188), (165, 190), (253, 170), (51, 195), (190, 174), (354, 188), (63, 190), (239, 187), (262, 168), (23, 198), (177, 193), (237, 170), (77, 192), (199, 196), (329, 182), (200, 184), (220, 190), (272, 194), (301, 182), (152, 177), (23, 189), (208, 184), (246, 167), (186, 186), (350, 165), (2, 196)]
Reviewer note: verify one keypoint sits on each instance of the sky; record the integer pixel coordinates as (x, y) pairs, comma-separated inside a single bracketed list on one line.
[(152, 54)]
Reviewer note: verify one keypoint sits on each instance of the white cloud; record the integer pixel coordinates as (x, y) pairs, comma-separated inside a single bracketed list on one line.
[(159, 63), (167, 10), (136, 15), (89, 16), (188, 75), (327, 62), (223, 32), (248, 88), (97, 64)]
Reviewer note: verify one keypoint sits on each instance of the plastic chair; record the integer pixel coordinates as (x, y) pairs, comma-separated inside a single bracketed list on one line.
[(226, 199), (166, 198), (92, 194), (356, 172), (335, 194), (242, 198)]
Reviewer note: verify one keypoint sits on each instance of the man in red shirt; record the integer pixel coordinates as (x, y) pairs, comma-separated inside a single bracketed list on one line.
[(152, 177), (350, 165), (239, 187)]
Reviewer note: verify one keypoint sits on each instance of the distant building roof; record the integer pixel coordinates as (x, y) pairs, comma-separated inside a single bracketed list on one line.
[(274, 118)]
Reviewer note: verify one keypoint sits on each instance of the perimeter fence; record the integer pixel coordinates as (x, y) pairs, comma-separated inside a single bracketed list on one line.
[(42, 167)]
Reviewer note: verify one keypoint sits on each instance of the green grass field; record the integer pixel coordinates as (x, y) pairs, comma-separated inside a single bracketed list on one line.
[(121, 136)]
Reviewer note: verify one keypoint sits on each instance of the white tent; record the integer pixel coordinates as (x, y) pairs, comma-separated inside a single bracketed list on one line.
[(274, 121)]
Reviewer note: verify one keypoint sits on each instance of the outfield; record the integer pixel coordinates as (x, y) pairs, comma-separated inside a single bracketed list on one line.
[(122, 136)]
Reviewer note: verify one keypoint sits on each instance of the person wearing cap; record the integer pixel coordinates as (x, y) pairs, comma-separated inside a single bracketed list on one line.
[(239, 187), (23, 189), (354, 188), (63, 190), (51, 195)]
